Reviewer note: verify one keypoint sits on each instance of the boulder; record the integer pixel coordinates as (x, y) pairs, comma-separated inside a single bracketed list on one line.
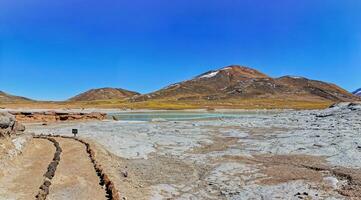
[(6, 120), (9, 126)]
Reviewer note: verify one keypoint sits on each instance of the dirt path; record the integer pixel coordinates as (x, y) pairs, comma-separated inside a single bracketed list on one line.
[(24, 175), (75, 177)]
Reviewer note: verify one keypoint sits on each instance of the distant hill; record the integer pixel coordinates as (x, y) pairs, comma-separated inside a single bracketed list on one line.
[(235, 81), (357, 92), (8, 98), (104, 94)]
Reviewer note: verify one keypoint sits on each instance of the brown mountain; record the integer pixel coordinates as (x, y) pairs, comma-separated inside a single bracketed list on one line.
[(7, 98), (104, 94), (235, 81)]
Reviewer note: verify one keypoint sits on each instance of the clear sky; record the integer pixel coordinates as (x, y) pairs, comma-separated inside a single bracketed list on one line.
[(54, 49)]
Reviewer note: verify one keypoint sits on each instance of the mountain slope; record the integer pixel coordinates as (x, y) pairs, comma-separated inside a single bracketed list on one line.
[(235, 82), (304, 86), (211, 82), (357, 92), (7, 98), (104, 94)]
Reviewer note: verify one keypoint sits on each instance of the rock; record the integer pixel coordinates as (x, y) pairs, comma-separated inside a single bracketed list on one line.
[(125, 174), (326, 115), (19, 127), (346, 105), (115, 118), (6, 120), (9, 126)]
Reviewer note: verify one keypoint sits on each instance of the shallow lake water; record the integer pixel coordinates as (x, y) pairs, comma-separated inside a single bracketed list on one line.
[(176, 115)]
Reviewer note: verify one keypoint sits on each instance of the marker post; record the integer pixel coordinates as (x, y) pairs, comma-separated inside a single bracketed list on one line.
[(74, 131)]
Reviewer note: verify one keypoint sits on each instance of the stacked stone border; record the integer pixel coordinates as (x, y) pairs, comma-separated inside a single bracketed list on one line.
[(111, 190), (50, 173)]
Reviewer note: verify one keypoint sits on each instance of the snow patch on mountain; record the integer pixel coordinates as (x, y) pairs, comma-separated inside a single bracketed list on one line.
[(296, 77), (357, 92), (226, 68), (210, 74)]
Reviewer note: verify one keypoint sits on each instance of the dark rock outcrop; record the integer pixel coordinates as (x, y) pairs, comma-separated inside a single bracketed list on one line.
[(9, 125)]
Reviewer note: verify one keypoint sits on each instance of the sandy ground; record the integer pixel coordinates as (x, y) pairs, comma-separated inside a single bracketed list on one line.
[(284, 155), (75, 176), (22, 176)]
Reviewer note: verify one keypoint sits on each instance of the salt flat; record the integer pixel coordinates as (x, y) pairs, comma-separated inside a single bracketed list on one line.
[(257, 155)]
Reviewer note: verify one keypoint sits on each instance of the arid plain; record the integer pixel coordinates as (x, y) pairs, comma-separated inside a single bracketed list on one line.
[(260, 154)]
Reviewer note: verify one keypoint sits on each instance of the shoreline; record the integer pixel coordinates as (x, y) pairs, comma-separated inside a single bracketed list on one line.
[(114, 110)]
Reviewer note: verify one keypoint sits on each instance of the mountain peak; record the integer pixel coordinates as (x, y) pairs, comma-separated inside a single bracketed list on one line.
[(236, 67), (235, 72), (244, 71)]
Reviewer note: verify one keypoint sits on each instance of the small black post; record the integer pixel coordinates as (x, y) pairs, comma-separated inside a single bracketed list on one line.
[(74, 131)]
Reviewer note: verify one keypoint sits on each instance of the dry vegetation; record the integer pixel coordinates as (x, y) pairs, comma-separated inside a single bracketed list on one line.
[(256, 103)]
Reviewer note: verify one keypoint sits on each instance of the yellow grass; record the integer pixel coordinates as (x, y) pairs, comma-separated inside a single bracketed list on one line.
[(179, 105)]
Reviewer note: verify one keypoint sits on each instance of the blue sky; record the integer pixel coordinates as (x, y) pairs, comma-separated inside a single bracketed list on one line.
[(51, 50)]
